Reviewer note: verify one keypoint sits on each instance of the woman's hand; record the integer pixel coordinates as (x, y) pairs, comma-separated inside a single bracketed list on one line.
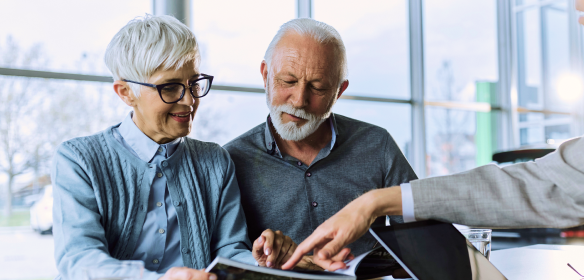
[(347, 226), (273, 248), (184, 273), (317, 263)]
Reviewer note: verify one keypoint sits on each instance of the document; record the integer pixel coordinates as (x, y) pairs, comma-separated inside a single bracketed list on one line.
[(372, 264)]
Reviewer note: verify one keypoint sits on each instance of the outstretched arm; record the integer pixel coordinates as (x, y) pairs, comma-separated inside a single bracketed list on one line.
[(347, 226)]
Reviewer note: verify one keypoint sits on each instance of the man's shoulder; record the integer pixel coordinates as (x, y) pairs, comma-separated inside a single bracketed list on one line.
[(359, 128), (249, 139)]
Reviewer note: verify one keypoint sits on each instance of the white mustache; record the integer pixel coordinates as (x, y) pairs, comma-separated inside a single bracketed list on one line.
[(300, 113)]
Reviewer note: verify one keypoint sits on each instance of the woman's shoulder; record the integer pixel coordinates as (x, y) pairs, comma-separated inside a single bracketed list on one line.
[(86, 144)]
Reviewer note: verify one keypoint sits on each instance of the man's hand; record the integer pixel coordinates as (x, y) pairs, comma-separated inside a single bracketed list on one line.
[(273, 248), (184, 273), (347, 226)]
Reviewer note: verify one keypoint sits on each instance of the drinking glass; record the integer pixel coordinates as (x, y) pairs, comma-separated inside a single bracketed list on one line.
[(480, 239), (122, 270)]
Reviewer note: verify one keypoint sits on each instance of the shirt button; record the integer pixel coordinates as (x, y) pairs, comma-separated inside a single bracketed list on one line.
[(158, 204), (165, 164), (185, 250), (299, 163), (160, 149), (161, 231), (176, 203), (159, 175), (314, 203), (143, 208), (308, 174), (155, 261)]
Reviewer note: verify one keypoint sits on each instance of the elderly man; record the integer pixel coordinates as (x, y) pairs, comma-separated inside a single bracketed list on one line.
[(305, 163)]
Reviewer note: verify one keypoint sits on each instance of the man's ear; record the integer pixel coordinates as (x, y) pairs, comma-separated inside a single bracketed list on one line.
[(344, 86), (264, 72), (125, 93)]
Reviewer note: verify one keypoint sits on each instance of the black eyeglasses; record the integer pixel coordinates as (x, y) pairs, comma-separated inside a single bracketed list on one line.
[(174, 92)]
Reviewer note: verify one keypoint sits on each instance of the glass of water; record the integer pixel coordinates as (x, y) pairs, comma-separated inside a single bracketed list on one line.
[(480, 238), (122, 270)]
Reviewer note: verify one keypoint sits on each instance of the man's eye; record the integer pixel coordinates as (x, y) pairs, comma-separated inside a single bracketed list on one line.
[(290, 82)]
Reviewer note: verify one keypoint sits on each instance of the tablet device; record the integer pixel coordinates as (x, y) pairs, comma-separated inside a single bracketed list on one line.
[(435, 250)]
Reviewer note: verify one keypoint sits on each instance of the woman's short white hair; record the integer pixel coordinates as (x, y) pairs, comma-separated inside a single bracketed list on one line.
[(319, 31), (148, 44)]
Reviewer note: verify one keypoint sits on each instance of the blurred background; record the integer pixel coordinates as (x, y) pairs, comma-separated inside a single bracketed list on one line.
[(454, 82)]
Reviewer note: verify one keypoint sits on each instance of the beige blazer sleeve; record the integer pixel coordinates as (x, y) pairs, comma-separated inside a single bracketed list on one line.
[(546, 193)]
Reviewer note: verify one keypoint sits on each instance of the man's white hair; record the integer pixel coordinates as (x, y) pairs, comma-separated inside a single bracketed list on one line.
[(148, 44), (319, 31)]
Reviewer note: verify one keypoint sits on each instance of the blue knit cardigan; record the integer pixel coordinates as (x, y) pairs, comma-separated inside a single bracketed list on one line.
[(101, 195)]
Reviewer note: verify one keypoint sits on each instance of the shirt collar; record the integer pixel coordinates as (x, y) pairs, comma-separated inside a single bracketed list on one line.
[(142, 145), (272, 147)]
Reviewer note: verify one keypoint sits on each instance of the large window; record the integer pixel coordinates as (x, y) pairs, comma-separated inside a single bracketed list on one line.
[(65, 36), (449, 61), (548, 70), (460, 55), (234, 36), (375, 33)]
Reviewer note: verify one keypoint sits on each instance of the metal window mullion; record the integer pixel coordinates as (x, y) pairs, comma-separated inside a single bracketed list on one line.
[(304, 9), (180, 9), (518, 76), (506, 129), (416, 40)]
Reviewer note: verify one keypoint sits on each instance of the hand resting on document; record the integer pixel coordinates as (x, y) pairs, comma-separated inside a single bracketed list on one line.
[(271, 249)]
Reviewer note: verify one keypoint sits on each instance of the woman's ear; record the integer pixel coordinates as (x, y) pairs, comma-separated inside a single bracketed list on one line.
[(125, 93)]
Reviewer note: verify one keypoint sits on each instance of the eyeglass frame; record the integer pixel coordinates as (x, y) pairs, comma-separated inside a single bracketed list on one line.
[(161, 86)]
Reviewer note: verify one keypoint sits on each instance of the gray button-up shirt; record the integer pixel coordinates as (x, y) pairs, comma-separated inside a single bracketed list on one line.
[(281, 193)]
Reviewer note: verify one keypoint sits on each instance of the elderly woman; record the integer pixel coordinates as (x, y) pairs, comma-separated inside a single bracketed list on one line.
[(141, 190)]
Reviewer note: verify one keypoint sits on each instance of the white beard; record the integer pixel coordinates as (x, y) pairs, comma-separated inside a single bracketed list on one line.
[(290, 130)]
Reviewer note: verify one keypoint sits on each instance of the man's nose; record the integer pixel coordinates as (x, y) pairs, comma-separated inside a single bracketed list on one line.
[(300, 96)]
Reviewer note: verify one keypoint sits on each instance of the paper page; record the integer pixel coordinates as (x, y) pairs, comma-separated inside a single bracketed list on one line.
[(353, 264), (229, 269)]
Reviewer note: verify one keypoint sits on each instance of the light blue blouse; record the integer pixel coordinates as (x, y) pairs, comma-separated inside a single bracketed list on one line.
[(159, 243)]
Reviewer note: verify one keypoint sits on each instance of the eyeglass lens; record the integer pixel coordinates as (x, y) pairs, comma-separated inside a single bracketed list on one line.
[(174, 92)]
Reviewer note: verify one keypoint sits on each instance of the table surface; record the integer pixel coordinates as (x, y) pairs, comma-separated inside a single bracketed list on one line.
[(540, 262)]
